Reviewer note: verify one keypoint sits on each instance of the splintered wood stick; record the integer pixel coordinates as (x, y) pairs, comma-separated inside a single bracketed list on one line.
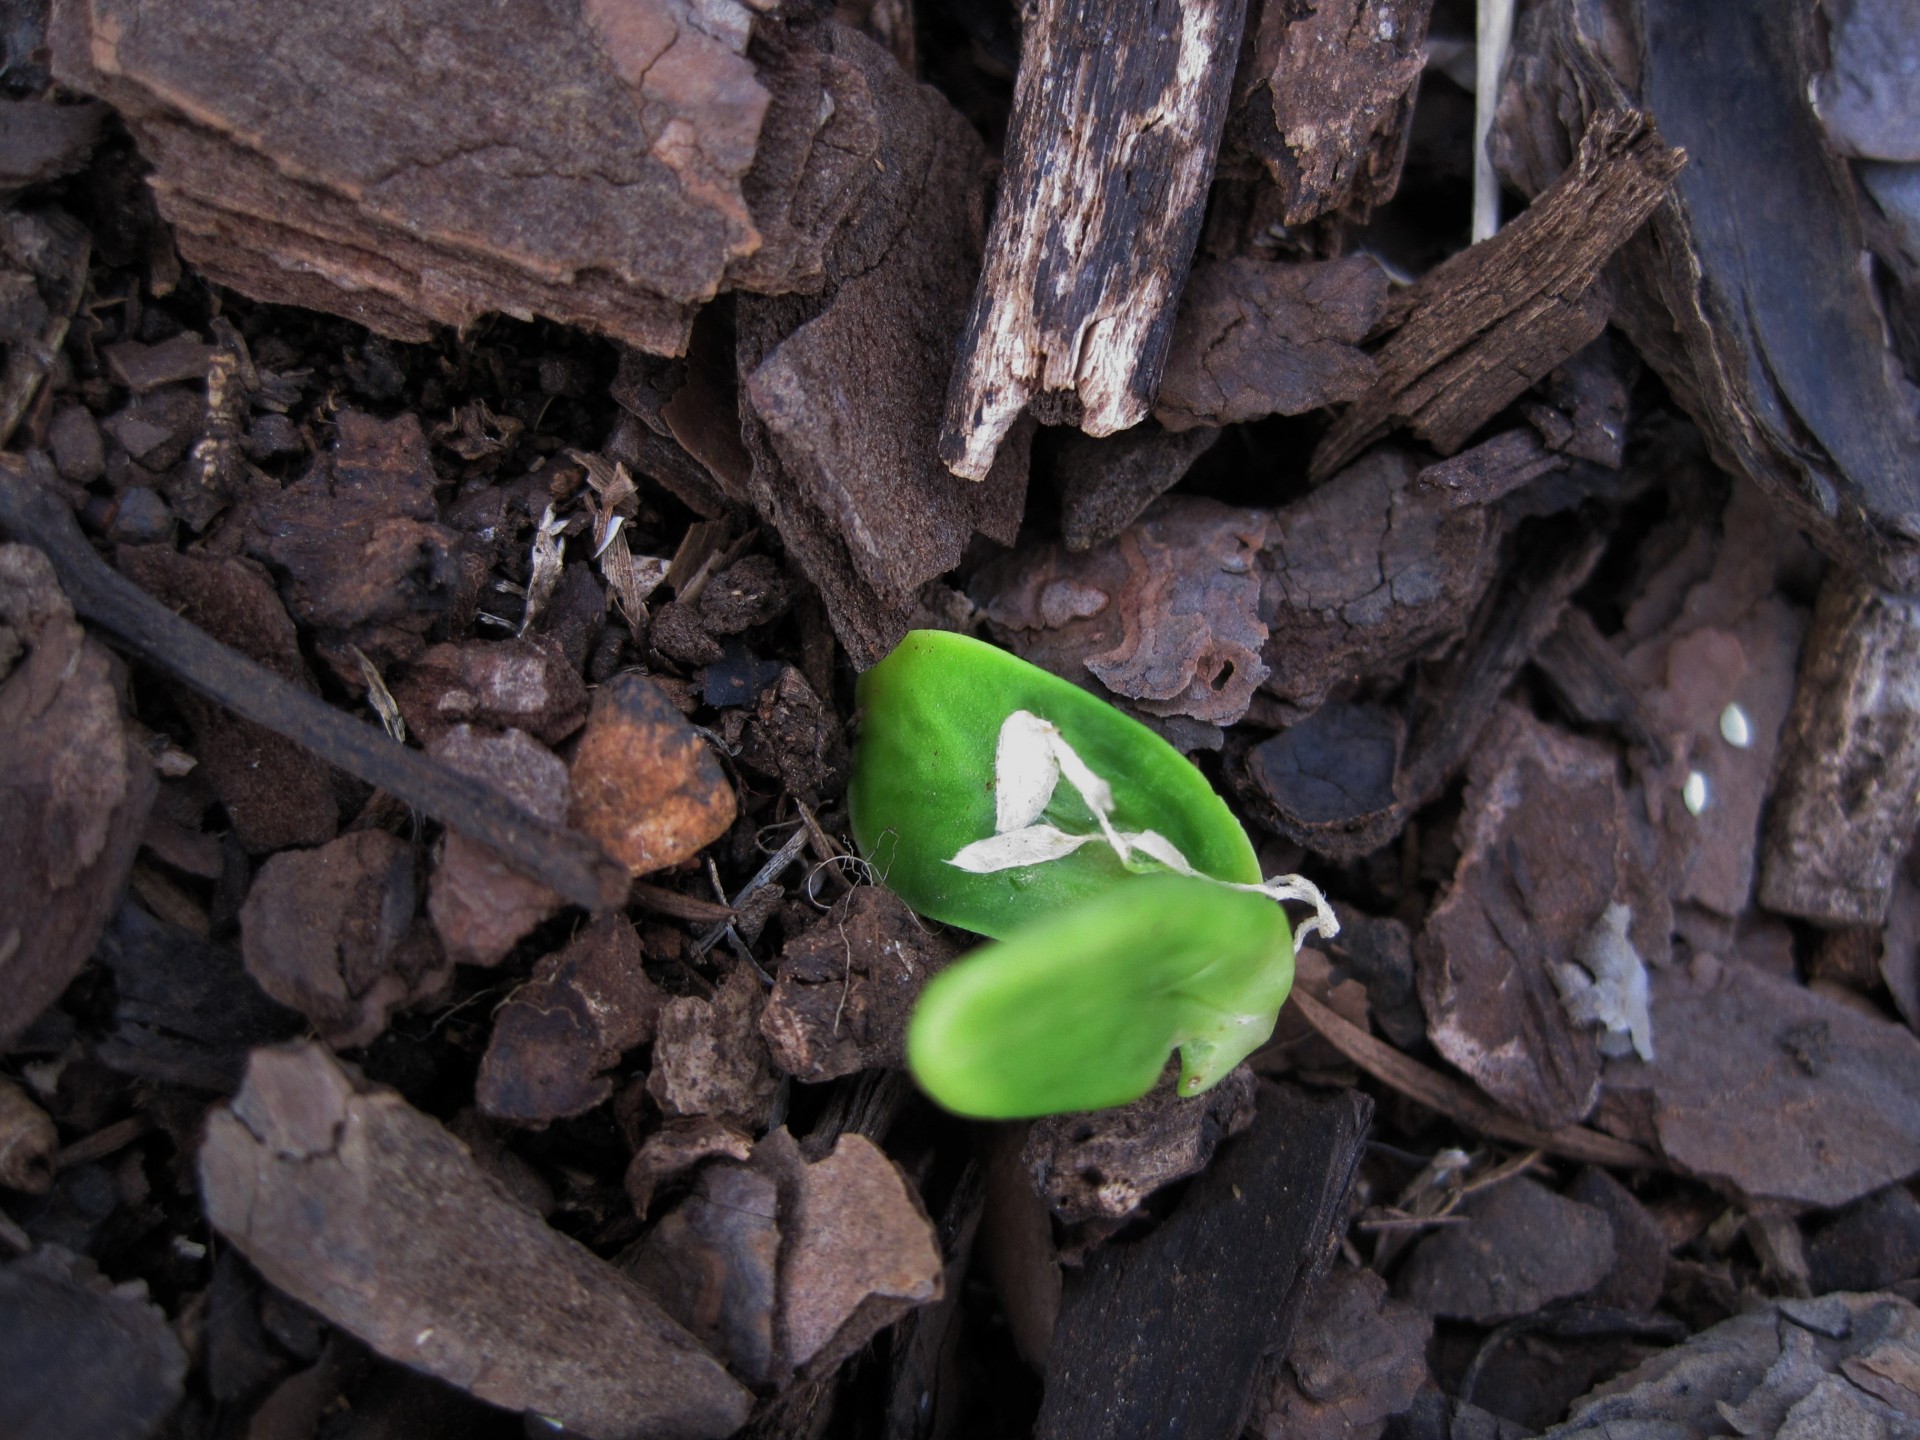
[(562, 859)]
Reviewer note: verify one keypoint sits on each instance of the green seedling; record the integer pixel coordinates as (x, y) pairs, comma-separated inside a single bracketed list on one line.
[(1126, 899)]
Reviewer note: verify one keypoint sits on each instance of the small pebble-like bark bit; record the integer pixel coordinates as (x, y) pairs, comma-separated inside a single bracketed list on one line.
[(75, 790), (796, 737), (1522, 1247), (708, 1057), (27, 1142), (480, 905), (675, 1148), (361, 1207), (1357, 1359), (523, 684), (845, 989), (644, 785), (330, 932), (560, 1032)]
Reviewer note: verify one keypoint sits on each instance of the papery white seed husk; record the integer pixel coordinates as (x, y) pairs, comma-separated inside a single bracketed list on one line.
[(1033, 845), (1025, 771), (1156, 846)]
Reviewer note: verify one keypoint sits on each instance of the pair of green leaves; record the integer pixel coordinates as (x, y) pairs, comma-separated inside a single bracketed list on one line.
[(1124, 897)]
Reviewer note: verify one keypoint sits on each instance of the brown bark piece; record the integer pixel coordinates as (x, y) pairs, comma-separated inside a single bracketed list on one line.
[(1542, 854), (108, 1348), (1105, 485), (675, 1148), (330, 933), (1117, 114), (1847, 797), (481, 907), (1523, 1247), (275, 792), (709, 1058), (523, 684), (1492, 469), (846, 988), (1257, 338), (1746, 294), (1366, 572), (1196, 1306), (615, 200), (358, 537), (1102, 1165), (1592, 683), (147, 367), (795, 737), (644, 785), (842, 394), (42, 141), (75, 789), (1772, 1091), (1638, 1277), (368, 1211), (1357, 1360), (1324, 99), (560, 1032), (28, 1140), (858, 1251), (1481, 327), (1167, 614), (1329, 782)]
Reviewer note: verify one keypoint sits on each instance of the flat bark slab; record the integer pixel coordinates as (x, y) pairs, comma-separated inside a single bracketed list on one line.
[(1117, 114), (361, 1207), (1186, 1315)]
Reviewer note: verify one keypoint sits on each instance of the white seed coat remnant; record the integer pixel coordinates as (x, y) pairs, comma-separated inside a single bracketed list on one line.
[(1735, 728), (1694, 793), (1608, 986)]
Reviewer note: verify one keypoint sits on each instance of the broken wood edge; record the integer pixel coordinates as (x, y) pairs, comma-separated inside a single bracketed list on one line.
[(560, 858), (1458, 1103)]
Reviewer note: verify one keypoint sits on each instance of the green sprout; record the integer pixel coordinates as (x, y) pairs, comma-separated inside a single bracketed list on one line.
[(1126, 902)]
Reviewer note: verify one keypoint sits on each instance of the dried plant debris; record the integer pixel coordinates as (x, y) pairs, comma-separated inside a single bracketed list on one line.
[(1522, 1247), (330, 932), (1481, 327), (844, 988), (708, 1057), (1168, 614), (120, 1369), (275, 792), (1847, 797), (1546, 850), (75, 789), (558, 1034), (1258, 338), (1110, 151), (1106, 484), (1358, 1359), (525, 684), (480, 905), (863, 505), (1839, 1365), (1773, 1090), (185, 1012), (1324, 100), (352, 1202), (644, 784), (1100, 1166), (359, 540), (1746, 295), (619, 201)]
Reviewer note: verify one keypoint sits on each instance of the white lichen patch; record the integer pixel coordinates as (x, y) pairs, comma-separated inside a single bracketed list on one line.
[(1608, 987)]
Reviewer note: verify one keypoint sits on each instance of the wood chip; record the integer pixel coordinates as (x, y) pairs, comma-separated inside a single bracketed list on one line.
[(709, 1059), (1522, 1247), (523, 684), (1107, 483), (1358, 1358)]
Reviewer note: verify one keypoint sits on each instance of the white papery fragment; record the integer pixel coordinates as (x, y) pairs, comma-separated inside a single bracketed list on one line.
[(1025, 771), (1608, 987), (1031, 845)]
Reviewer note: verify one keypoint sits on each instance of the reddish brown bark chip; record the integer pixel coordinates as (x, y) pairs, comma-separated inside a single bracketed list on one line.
[(558, 1033), (275, 792), (1523, 1246), (480, 905), (846, 988), (1543, 852), (708, 1057), (1357, 1359), (859, 1251), (330, 933), (525, 684), (1256, 338), (613, 200), (358, 536), (108, 1348), (675, 1148), (1364, 573), (1166, 614), (1106, 484), (75, 790), (795, 737), (644, 785), (1772, 1091), (1102, 1165), (371, 1213)]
